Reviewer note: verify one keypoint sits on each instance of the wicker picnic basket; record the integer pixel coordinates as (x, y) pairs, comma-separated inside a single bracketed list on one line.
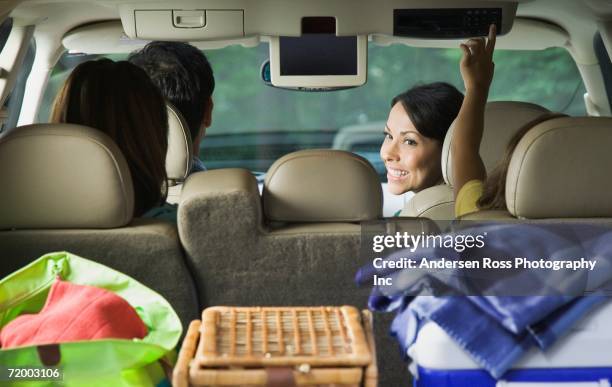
[(279, 346)]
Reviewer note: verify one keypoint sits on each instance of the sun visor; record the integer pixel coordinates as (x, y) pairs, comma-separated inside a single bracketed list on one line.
[(108, 37), (196, 24)]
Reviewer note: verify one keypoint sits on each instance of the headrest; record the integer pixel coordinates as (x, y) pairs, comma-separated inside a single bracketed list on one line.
[(178, 158), (501, 120), (322, 186), (63, 176), (561, 169), (436, 203)]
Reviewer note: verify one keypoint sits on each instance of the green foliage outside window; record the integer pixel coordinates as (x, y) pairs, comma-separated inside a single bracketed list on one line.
[(243, 103)]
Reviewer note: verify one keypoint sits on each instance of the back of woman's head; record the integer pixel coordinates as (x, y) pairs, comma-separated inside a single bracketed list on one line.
[(431, 107), (119, 99), (494, 189)]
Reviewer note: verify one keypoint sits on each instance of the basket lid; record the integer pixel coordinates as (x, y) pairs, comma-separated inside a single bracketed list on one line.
[(282, 336)]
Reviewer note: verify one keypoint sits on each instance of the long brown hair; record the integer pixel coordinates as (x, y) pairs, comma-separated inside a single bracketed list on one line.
[(494, 188), (119, 99)]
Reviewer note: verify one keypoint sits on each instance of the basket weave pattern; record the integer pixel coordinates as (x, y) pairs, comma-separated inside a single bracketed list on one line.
[(259, 336), (276, 332), (249, 346)]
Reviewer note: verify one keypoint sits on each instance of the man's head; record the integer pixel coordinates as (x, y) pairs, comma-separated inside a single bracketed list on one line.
[(185, 78)]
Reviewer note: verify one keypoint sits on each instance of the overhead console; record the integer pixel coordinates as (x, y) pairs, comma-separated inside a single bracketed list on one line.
[(453, 23), (201, 20), (314, 44)]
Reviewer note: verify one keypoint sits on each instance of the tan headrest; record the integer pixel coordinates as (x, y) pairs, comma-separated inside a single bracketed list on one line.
[(501, 120), (63, 176), (561, 169), (179, 155), (322, 186), (436, 203)]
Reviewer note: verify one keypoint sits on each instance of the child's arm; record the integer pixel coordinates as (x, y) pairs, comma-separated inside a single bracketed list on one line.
[(477, 72)]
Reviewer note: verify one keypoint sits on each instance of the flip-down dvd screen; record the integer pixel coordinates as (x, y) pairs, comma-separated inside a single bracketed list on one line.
[(318, 61), (318, 54)]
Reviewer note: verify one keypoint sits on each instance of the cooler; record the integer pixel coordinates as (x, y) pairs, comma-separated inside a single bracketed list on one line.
[(583, 358)]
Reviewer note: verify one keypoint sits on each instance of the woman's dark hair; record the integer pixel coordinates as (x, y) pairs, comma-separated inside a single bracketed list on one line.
[(431, 107), (184, 76), (494, 188), (119, 99)]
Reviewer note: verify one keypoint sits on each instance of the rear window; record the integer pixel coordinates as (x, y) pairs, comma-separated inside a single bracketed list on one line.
[(254, 124)]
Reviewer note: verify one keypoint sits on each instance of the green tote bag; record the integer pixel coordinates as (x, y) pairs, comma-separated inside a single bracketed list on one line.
[(109, 362)]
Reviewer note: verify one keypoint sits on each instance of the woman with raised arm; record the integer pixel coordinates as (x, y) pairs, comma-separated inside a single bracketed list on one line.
[(473, 189), (468, 169)]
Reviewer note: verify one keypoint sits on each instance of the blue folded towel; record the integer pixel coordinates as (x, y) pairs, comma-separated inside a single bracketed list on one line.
[(496, 330), (491, 345)]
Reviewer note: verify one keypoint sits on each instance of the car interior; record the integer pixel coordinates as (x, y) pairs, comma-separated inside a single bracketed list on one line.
[(293, 160)]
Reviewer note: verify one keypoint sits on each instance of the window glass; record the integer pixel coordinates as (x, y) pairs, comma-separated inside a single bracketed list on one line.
[(254, 124), (5, 30), (15, 99), (12, 104), (605, 64)]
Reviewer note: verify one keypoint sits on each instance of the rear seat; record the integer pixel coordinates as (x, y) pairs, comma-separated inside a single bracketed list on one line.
[(69, 189), (245, 253), (502, 120), (300, 248)]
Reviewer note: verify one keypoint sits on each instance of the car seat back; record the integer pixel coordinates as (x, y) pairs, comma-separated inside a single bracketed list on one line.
[(68, 188), (299, 245), (502, 120)]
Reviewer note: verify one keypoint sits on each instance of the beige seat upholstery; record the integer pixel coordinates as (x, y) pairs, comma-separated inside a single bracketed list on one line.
[(49, 184), (560, 170), (322, 185), (240, 246), (68, 188), (301, 247), (180, 153), (435, 203), (180, 148), (502, 120)]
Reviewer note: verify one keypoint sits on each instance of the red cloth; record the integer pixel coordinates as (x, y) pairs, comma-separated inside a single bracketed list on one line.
[(75, 313)]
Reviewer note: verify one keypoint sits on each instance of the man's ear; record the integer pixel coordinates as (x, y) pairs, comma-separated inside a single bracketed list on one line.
[(208, 113)]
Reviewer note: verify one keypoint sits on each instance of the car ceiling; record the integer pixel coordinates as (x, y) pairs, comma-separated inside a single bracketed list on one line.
[(579, 18)]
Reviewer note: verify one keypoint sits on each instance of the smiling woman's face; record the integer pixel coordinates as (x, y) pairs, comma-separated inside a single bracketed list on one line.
[(412, 160)]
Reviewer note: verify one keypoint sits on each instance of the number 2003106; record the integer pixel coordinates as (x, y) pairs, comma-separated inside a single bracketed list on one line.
[(13, 374)]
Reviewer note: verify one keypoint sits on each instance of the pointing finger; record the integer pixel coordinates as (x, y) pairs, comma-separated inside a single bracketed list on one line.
[(466, 53), (492, 39)]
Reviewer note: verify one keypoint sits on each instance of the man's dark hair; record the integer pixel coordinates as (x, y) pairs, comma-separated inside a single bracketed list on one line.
[(431, 107), (184, 76)]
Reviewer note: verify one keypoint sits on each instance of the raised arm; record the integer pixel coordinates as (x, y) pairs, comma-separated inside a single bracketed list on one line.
[(477, 72)]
